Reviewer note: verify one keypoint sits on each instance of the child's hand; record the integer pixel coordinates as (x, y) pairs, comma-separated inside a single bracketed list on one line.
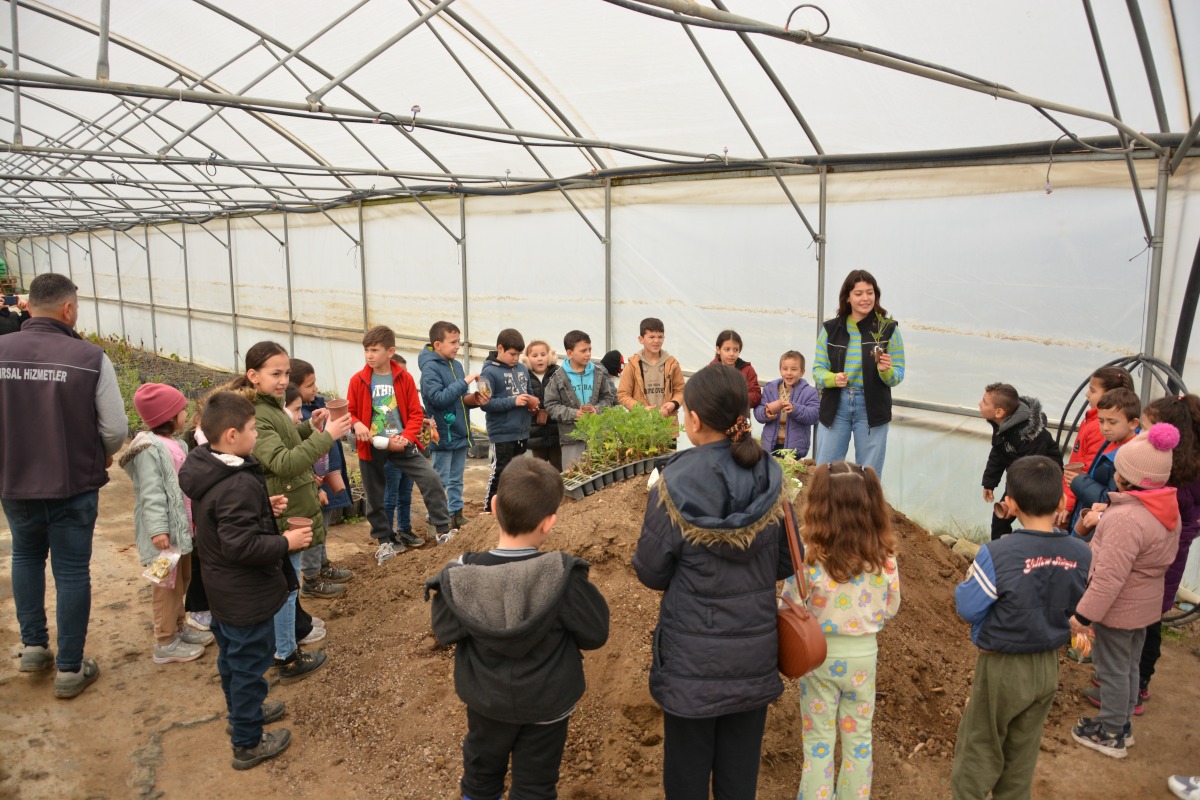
[(361, 432), (588, 408), (162, 541), (579, 412), (788, 407), (885, 361), (319, 418), (522, 400), (1077, 627), (1070, 473), (1061, 518), (298, 538), (337, 428), (988, 497), (533, 404), (322, 497), (397, 443), (474, 376), (665, 412), (278, 504)]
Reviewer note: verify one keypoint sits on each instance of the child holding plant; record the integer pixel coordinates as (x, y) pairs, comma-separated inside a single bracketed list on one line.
[(508, 407), (729, 350), (653, 377), (1089, 439), (850, 553), (579, 387), (788, 408), (543, 433)]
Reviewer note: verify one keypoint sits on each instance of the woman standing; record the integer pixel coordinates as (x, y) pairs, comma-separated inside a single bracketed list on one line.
[(860, 357), (713, 543)]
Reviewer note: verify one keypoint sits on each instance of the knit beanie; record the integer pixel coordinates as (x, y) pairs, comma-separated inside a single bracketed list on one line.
[(158, 403), (614, 362), (1145, 463)]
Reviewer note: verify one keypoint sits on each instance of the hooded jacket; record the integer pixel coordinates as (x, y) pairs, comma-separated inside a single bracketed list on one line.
[(443, 387), (1188, 496), (713, 542), (1022, 433), (751, 376), (506, 421), (1100, 479), (247, 574), (632, 389), (562, 402), (158, 501), (1133, 546), (408, 405), (519, 628), (542, 437), (1088, 442), (799, 423)]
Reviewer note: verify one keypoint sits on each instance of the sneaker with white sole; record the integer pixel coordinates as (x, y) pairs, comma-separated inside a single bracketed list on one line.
[(387, 551), (36, 658), (1185, 787), (177, 651), (72, 684), (443, 538), (314, 636), (320, 588), (200, 620), (1128, 732), (1094, 737), (409, 539), (196, 636), (335, 575), (317, 622)]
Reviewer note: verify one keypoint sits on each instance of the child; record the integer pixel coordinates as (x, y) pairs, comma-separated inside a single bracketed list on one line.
[(1018, 595), (1019, 429), (387, 423), (1089, 439), (788, 408), (579, 387), (851, 558), (653, 377), (249, 574), (508, 405), (286, 453), (1117, 412), (397, 495), (162, 515), (519, 618), (444, 387), (543, 434), (715, 548), (1133, 546), (729, 350)]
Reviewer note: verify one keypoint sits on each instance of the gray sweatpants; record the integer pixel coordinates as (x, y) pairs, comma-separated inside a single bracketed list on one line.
[(312, 559), (1117, 654), (415, 466)]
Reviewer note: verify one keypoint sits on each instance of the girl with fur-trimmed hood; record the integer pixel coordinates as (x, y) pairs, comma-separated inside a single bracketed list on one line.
[(713, 543)]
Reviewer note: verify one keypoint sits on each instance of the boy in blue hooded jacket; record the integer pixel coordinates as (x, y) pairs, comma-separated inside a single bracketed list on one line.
[(444, 388)]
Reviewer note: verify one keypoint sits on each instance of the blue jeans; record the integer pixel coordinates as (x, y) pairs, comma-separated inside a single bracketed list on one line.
[(243, 655), (449, 465), (870, 444), (285, 618), (397, 497), (62, 529)]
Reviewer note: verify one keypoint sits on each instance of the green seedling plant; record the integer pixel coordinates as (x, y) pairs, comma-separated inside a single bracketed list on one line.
[(615, 437), (794, 472), (881, 325)]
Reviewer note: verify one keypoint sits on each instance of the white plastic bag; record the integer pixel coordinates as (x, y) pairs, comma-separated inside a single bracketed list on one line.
[(161, 571)]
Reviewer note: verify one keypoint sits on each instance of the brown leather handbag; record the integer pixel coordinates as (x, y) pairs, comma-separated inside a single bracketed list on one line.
[(801, 641)]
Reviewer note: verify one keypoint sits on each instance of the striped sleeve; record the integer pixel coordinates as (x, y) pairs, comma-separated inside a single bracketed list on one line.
[(821, 375), (893, 376), (976, 594)]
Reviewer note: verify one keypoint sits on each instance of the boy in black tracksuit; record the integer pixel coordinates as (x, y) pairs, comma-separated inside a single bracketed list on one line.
[(520, 618), (246, 569), (1019, 429)]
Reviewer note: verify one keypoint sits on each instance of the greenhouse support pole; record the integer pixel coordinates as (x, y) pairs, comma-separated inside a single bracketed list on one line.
[(462, 260), (287, 272), (92, 267), (1156, 255), (362, 263), (102, 59), (187, 292), (16, 89), (232, 294), (150, 289), (608, 319), (822, 173), (120, 290)]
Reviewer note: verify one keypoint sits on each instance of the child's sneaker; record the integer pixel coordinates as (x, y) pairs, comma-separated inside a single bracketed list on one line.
[(387, 551), (177, 651), (317, 622), (1127, 732), (196, 636), (298, 666), (72, 684), (200, 620), (1184, 787), (271, 745), (36, 658), (446, 536), (457, 520), (314, 636), (321, 589), (1094, 737), (334, 575), (273, 711), (409, 539), (1093, 696)]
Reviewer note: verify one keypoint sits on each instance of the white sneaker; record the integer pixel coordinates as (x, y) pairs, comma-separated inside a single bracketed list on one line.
[(200, 620), (443, 538), (315, 635), (1184, 787), (191, 635), (317, 622), (177, 650), (386, 552)]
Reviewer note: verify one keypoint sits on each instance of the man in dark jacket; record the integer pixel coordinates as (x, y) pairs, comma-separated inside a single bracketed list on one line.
[(519, 618), (11, 318), (1019, 429), (61, 420), (247, 573)]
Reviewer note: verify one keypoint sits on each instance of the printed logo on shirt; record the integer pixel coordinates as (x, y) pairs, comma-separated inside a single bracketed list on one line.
[(1041, 561)]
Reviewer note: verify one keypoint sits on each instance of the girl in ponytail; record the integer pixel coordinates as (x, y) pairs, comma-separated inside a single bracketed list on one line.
[(713, 543)]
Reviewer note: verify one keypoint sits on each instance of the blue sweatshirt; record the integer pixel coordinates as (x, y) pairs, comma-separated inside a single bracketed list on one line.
[(443, 386), (506, 421)]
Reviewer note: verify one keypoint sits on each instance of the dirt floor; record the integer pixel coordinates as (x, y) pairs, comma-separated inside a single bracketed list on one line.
[(381, 720)]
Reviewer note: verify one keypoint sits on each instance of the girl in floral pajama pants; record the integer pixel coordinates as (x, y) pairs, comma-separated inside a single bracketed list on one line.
[(854, 589)]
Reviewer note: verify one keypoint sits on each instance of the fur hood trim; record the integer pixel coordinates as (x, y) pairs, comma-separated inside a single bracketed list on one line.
[(737, 538), (142, 442), (1037, 419)]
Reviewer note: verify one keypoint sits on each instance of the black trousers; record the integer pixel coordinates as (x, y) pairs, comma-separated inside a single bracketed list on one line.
[(414, 465), (502, 454), (1151, 651), (725, 750), (536, 751), (196, 599)]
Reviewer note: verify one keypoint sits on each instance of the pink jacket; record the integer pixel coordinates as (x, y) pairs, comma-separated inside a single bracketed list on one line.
[(1134, 545)]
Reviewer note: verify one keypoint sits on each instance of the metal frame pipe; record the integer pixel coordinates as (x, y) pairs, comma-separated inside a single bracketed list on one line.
[(1189, 139), (1156, 95), (362, 264), (608, 318), (16, 54), (150, 289), (462, 259), (287, 270), (187, 290), (1149, 346), (102, 58), (233, 310)]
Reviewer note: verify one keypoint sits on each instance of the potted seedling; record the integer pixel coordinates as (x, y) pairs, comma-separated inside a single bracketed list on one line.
[(881, 328)]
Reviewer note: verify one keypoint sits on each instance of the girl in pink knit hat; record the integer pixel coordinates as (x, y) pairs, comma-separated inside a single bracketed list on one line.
[(1135, 542)]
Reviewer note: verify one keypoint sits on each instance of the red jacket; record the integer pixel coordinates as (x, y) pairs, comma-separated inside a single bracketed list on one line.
[(752, 387), (1088, 443), (408, 404)]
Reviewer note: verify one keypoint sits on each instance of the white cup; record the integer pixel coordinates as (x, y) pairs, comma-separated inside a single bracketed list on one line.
[(380, 442)]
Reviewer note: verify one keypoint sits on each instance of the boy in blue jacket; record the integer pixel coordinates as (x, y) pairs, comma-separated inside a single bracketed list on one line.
[(1118, 411), (508, 405), (444, 388), (1019, 596)]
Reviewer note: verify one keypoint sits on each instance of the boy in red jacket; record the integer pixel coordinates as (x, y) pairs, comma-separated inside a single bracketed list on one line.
[(1134, 544), (387, 423)]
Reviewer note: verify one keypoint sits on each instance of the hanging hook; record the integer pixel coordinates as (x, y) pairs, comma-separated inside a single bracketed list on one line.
[(815, 8), (504, 182), (210, 166), (726, 152), (412, 126), (1050, 186)]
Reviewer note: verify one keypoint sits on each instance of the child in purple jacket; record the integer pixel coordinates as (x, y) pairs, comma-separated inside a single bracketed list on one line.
[(788, 408)]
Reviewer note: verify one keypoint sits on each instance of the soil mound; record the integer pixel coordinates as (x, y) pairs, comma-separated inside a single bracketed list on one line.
[(387, 701)]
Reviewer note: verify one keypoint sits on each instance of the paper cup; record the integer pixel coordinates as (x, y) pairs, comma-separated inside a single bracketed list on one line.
[(1074, 466), (299, 522), (338, 408)]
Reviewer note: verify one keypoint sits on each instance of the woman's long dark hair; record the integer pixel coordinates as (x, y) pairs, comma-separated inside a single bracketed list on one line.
[(855, 277), (256, 358), (719, 397)]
